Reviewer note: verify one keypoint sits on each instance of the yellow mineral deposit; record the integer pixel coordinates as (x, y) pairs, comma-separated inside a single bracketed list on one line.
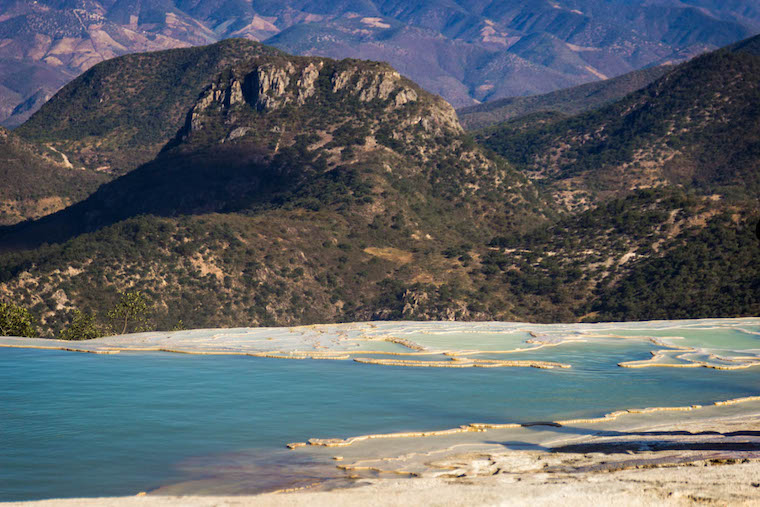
[(404, 342), (463, 363), (55, 347), (387, 353), (736, 401)]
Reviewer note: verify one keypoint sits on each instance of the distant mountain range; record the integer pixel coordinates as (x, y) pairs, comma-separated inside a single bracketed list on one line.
[(247, 186), (467, 51)]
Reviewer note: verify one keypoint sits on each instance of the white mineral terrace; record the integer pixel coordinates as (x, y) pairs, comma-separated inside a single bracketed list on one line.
[(711, 343)]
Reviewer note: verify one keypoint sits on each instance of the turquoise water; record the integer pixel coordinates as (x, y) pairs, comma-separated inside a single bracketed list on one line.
[(75, 425), (708, 338)]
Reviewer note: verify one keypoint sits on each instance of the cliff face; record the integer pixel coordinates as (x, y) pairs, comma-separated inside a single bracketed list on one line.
[(120, 113), (270, 87)]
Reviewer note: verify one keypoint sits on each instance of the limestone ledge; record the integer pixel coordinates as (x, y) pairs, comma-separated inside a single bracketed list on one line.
[(456, 362), (337, 442), (53, 347), (538, 345), (741, 363), (404, 342), (660, 356), (736, 401), (482, 427), (338, 355)]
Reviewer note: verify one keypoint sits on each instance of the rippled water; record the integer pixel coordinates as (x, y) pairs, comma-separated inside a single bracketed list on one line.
[(91, 425)]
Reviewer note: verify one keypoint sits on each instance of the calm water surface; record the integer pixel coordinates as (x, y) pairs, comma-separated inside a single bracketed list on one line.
[(98, 425)]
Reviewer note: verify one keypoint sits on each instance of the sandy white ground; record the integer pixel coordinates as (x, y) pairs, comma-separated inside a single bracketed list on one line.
[(684, 485)]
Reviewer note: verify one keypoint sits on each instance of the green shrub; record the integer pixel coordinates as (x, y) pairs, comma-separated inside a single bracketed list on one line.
[(16, 321), (82, 327), (130, 314)]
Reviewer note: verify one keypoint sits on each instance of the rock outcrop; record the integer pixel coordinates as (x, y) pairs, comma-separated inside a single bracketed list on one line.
[(266, 86), (272, 85), (307, 82)]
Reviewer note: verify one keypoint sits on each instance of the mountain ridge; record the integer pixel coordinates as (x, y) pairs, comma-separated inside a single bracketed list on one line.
[(566, 102), (70, 122), (243, 117), (312, 183)]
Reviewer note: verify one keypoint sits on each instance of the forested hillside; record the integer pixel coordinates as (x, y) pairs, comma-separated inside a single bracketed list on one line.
[(660, 190), (38, 180), (295, 190), (695, 128)]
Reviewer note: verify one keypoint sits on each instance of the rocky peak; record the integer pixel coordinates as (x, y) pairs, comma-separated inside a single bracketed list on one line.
[(370, 84), (273, 84), (270, 86)]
